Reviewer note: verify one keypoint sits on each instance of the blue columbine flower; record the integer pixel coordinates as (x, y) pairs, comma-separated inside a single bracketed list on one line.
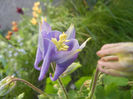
[(54, 46)]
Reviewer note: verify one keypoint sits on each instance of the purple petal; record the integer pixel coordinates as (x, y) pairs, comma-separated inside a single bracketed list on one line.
[(45, 27), (73, 44), (45, 66), (41, 42), (48, 54), (38, 59), (54, 34), (60, 68), (58, 71), (62, 56), (65, 58), (71, 32)]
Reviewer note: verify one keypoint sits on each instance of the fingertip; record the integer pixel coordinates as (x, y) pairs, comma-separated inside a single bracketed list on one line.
[(98, 53), (99, 62)]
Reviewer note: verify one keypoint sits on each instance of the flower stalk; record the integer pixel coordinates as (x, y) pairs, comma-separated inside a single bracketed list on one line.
[(94, 84), (60, 82), (30, 85)]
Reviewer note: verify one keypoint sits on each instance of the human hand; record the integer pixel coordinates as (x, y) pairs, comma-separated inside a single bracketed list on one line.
[(116, 59)]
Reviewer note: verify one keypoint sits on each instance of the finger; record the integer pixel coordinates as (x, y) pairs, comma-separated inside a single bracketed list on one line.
[(114, 72), (106, 46), (110, 51), (109, 71), (109, 58), (111, 65)]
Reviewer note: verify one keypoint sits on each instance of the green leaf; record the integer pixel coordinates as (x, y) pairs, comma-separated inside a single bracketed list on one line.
[(49, 86), (99, 93), (20, 96), (119, 81), (66, 80), (81, 81)]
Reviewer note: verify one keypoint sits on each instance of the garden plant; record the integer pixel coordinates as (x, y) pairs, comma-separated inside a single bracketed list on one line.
[(72, 49)]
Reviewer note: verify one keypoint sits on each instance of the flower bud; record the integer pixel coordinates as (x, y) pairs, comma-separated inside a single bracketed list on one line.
[(6, 85), (60, 93), (42, 96), (74, 66), (56, 86), (87, 83), (19, 11)]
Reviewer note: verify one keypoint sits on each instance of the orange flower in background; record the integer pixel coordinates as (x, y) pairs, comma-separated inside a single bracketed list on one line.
[(33, 21), (14, 23), (39, 11), (10, 33), (35, 8), (8, 37), (37, 3), (35, 14), (15, 28)]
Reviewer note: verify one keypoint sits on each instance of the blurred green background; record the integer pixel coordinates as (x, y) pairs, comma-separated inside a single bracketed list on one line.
[(106, 21)]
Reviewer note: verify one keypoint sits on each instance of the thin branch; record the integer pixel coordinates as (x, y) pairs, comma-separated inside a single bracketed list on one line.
[(94, 84), (30, 85)]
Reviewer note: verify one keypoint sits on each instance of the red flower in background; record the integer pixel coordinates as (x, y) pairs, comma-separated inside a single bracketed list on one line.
[(20, 10)]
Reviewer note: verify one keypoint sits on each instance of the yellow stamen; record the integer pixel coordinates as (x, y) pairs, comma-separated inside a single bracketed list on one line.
[(43, 19), (61, 46)]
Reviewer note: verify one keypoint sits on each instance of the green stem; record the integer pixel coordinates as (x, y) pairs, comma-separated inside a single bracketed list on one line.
[(60, 83), (94, 84), (81, 88), (30, 85)]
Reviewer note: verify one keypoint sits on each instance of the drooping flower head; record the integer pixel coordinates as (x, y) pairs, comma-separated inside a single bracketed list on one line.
[(55, 46)]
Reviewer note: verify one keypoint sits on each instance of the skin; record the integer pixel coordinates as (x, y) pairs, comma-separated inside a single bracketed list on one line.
[(116, 59)]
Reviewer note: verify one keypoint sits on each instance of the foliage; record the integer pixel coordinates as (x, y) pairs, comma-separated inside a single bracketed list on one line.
[(113, 87), (106, 21)]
